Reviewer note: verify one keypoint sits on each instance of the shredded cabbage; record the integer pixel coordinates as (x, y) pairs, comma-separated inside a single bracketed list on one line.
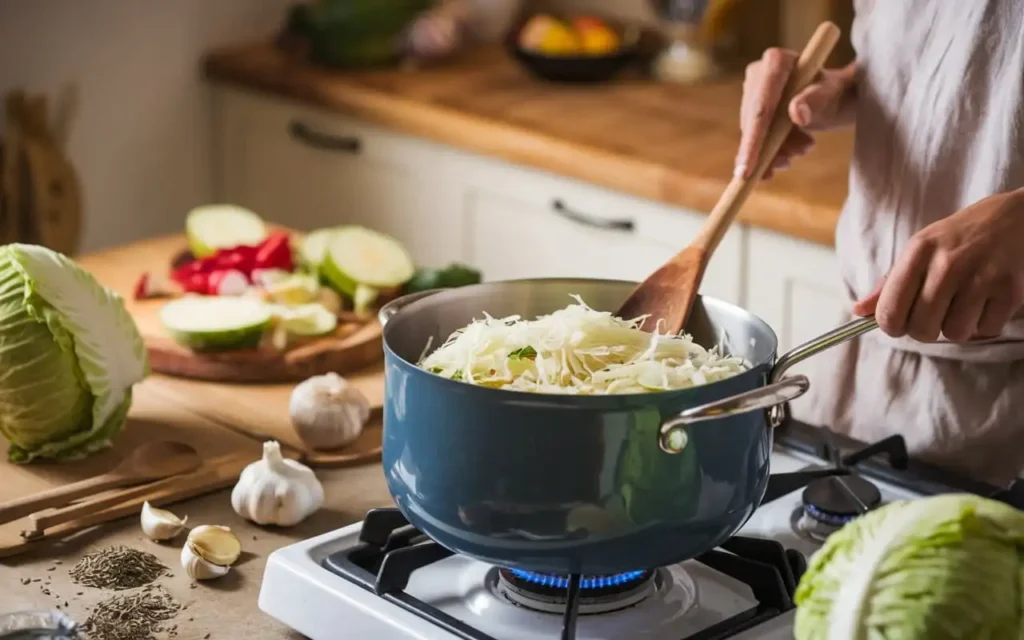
[(577, 350)]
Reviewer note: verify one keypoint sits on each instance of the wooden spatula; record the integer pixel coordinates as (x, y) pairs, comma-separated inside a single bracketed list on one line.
[(147, 462), (668, 294)]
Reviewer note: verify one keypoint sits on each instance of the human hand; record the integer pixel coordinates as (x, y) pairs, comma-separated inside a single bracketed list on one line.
[(962, 276), (824, 104)]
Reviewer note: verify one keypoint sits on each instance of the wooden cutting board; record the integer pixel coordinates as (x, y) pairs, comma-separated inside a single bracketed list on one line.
[(351, 347), (262, 412), (154, 416)]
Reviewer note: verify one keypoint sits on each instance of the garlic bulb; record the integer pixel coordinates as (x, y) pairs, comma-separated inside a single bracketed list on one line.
[(160, 524), (328, 412), (274, 490), (209, 552)]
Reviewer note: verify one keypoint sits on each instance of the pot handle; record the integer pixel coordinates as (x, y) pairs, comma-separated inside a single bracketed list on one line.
[(773, 396), (389, 310)]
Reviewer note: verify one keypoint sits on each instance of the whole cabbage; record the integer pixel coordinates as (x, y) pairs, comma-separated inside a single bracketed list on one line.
[(69, 355), (945, 567)]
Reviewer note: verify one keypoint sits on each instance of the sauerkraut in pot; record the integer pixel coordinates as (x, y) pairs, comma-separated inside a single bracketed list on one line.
[(577, 350)]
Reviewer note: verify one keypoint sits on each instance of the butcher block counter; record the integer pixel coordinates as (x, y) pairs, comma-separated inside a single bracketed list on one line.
[(668, 144), (225, 608)]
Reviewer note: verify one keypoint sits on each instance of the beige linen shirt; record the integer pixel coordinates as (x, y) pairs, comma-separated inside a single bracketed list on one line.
[(940, 125)]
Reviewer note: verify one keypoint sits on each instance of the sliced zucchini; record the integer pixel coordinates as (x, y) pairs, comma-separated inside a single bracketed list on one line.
[(313, 247), (216, 323), (222, 226), (360, 256), (307, 320)]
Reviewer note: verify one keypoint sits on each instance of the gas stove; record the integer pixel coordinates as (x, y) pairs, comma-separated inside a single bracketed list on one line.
[(383, 579)]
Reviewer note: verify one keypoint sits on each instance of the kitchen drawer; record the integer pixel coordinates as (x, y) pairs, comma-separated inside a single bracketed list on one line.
[(308, 168), (523, 223), (795, 286)]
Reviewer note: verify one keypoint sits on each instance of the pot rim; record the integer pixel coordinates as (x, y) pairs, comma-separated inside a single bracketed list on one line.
[(564, 400)]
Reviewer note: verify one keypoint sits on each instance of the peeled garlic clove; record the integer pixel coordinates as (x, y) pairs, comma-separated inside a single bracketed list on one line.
[(215, 544), (160, 524), (197, 567)]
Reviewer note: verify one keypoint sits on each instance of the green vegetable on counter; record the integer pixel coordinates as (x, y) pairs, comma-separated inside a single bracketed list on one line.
[(222, 226), (454, 275), (945, 567), (215, 323), (360, 262), (354, 33), (69, 356)]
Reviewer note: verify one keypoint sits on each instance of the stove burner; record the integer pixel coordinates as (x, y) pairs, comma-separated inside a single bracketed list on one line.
[(598, 594), (837, 500), (831, 502), (586, 582)]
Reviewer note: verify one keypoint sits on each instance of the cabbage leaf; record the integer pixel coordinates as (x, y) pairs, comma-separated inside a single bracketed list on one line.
[(944, 567)]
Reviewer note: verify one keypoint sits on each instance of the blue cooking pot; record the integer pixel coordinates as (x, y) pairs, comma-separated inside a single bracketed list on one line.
[(579, 484)]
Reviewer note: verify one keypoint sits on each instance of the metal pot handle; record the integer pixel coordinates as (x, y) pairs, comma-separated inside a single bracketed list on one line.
[(389, 310), (773, 396)]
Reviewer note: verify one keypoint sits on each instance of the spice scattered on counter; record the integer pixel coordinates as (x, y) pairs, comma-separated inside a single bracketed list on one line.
[(135, 616), (117, 567)]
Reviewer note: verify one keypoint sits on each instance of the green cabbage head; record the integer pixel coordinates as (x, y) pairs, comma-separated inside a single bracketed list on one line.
[(941, 568), (69, 355)]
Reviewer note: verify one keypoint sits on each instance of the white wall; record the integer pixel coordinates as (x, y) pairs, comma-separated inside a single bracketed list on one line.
[(140, 134)]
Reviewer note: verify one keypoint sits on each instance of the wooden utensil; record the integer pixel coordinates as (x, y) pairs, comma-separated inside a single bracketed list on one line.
[(215, 474), (151, 461), (46, 520), (668, 294)]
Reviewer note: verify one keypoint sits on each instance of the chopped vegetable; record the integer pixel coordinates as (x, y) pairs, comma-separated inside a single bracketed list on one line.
[(214, 227), (294, 289), (69, 356), (454, 275), (216, 323), (275, 253), (359, 256), (313, 247), (577, 350), (153, 285), (227, 282), (306, 320), (942, 567)]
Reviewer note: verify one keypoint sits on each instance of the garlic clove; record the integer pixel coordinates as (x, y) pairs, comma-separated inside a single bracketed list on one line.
[(199, 568), (215, 544), (160, 524)]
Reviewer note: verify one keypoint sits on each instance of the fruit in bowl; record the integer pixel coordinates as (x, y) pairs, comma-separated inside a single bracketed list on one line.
[(582, 36)]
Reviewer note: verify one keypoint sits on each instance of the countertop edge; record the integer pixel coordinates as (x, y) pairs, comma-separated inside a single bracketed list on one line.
[(782, 213)]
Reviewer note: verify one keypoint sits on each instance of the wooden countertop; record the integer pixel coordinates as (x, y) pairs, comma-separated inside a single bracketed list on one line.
[(217, 609), (671, 144)]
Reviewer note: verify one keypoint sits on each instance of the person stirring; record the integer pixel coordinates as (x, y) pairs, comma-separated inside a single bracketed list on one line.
[(931, 237)]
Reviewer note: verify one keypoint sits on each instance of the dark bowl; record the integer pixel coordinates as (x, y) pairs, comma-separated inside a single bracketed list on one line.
[(581, 69), (574, 69)]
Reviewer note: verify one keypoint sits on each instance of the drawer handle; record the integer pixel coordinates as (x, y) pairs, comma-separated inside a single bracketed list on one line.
[(326, 141), (620, 224)]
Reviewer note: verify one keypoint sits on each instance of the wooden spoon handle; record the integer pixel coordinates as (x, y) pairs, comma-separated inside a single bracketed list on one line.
[(811, 60), (59, 496)]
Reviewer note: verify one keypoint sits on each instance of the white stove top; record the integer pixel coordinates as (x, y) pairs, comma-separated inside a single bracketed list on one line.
[(298, 591)]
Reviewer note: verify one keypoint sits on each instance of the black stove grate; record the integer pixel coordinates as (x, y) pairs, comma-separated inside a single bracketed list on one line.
[(390, 549), (884, 461)]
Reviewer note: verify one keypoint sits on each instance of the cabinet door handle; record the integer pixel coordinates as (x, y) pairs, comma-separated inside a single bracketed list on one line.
[(326, 141), (613, 224)]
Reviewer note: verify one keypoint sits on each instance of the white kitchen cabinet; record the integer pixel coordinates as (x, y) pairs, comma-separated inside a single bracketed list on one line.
[(522, 223), (795, 286), (307, 168)]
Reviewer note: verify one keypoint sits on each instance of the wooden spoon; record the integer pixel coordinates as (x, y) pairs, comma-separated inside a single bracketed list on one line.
[(147, 462), (668, 294)]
